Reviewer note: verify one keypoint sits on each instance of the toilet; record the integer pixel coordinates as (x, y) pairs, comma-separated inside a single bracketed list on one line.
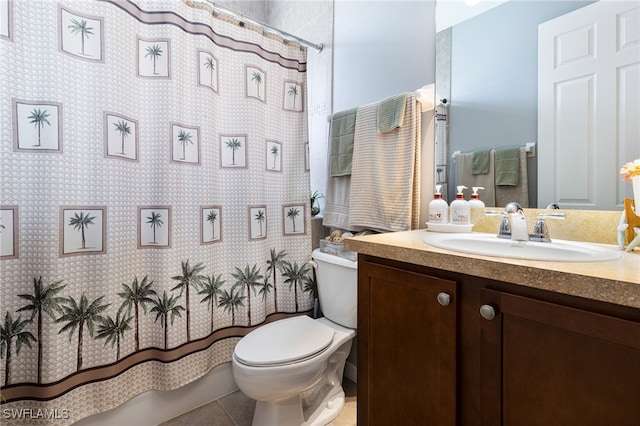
[(293, 367)]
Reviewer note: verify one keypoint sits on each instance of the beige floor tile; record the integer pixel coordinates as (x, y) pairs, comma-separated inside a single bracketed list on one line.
[(239, 407)]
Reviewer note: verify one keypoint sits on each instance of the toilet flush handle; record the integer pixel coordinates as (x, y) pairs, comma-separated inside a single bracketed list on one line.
[(313, 264), (444, 299)]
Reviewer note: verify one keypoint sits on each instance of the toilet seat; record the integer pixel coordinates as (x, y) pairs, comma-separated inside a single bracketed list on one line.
[(284, 342)]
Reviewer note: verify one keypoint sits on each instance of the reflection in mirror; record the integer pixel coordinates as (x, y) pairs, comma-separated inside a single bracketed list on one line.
[(486, 69)]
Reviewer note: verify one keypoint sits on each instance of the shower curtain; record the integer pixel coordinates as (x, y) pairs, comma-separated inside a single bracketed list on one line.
[(154, 202)]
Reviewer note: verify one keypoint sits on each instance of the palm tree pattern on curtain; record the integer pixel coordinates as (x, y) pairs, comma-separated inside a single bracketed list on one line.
[(155, 222), (80, 222), (97, 320), (43, 299), (293, 92), (124, 129), (153, 53), (39, 119), (212, 216), (80, 27), (234, 145)]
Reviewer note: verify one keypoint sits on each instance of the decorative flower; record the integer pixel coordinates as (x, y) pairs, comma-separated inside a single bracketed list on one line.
[(630, 170)]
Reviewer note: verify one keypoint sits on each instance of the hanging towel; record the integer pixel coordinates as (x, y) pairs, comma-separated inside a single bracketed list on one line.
[(464, 176), (507, 167), (336, 206), (480, 162), (391, 112), (520, 192), (343, 126), (385, 183)]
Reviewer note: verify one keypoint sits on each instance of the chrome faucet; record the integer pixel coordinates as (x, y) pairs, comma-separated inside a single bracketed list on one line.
[(515, 220), (514, 224), (540, 230)]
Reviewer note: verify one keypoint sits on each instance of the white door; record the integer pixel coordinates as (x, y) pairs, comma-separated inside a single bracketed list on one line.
[(588, 105)]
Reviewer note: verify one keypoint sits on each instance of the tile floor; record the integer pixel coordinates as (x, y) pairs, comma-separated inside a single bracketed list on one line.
[(237, 410)]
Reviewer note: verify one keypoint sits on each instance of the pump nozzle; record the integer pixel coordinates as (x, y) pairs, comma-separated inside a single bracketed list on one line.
[(475, 195), (460, 194), (438, 189)]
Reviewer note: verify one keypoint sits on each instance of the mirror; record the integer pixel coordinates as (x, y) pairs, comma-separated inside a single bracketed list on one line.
[(486, 68)]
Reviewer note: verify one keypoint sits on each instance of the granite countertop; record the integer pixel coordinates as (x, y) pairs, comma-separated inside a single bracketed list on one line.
[(616, 281)]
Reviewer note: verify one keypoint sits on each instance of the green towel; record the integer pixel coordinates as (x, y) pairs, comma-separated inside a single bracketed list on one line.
[(480, 162), (343, 128), (507, 167), (391, 112)]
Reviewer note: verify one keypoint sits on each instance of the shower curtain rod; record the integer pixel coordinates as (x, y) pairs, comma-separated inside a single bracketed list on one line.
[(244, 19)]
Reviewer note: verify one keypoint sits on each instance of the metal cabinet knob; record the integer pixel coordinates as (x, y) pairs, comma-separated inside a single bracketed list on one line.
[(487, 312), (444, 299)]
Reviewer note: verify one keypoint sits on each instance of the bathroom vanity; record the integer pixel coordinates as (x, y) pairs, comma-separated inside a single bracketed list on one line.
[(446, 338)]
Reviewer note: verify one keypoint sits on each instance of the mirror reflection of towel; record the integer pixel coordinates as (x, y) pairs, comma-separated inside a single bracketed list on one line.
[(520, 192), (464, 176), (507, 167), (480, 162)]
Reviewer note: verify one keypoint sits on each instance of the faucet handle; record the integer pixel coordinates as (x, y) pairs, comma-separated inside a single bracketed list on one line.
[(560, 216), (504, 229), (540, 230)]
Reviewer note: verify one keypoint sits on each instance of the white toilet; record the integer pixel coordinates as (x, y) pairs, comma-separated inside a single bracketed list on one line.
[(293, 367)]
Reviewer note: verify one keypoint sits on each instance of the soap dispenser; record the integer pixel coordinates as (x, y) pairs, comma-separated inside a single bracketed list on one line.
[(438, 208), (460, 209), (476, 205), (475, 202)]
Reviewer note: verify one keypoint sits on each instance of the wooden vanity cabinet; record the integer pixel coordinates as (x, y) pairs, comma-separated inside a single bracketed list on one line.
[(548, 364), (542, 358), (406, 347)]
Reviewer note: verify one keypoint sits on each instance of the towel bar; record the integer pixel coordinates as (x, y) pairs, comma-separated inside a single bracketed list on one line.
[(530, 148)]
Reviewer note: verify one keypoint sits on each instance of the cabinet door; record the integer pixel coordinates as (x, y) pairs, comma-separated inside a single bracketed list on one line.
[(406, 348), (546, 364)]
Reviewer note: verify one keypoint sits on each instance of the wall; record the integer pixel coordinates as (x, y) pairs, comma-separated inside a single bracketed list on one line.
[(494, 79), (381, 48)]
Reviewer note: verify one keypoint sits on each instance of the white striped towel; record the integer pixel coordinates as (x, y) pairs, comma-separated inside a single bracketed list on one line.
[(385, 176)]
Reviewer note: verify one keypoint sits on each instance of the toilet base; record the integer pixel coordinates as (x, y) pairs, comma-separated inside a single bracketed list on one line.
[(289, 412)]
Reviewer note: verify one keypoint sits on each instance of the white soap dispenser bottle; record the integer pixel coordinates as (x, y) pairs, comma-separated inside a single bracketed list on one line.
[(460, 210), (475, 202), (476, 205), (438, 208)]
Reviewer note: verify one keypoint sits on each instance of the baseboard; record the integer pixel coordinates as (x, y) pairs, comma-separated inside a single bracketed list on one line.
[(351, 372), (155, 407)]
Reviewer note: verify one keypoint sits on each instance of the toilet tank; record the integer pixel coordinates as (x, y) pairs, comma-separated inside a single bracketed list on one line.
[(337, 280)]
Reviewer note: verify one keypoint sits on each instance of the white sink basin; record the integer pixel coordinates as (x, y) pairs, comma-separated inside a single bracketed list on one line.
[(490, 245)]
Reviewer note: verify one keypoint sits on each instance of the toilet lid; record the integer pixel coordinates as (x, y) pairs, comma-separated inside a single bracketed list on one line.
[(284, 342)]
